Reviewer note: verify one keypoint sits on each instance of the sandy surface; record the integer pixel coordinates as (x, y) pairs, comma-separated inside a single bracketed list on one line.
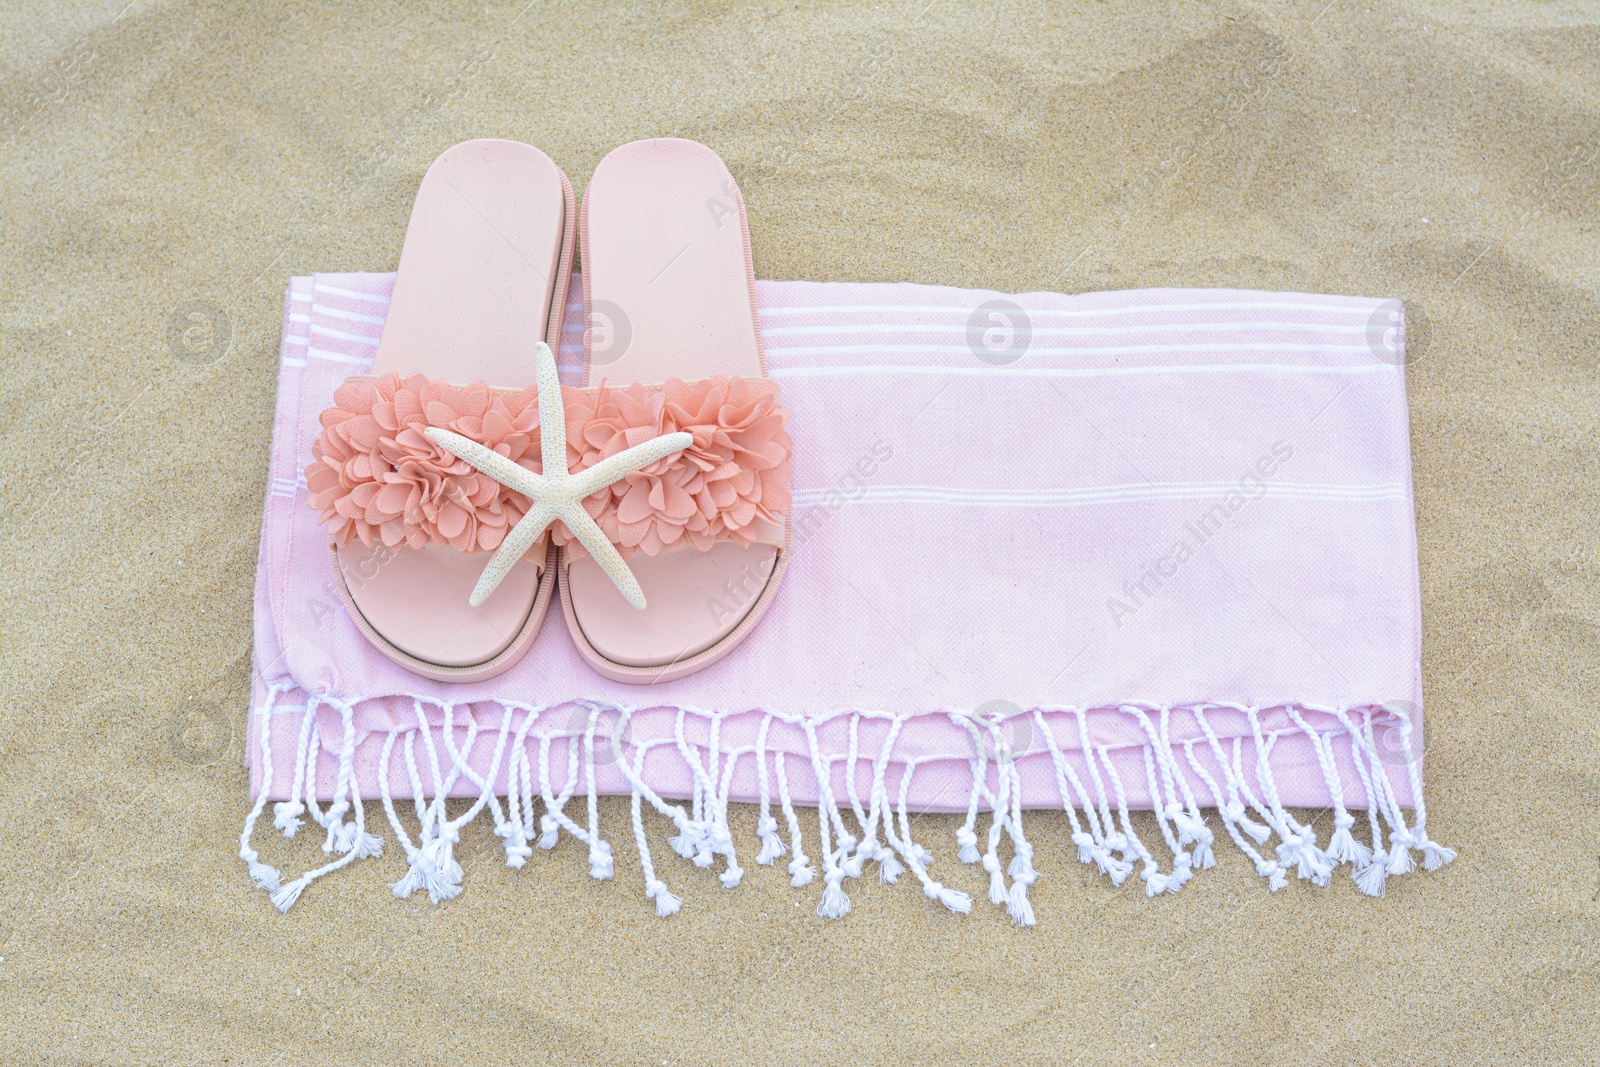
[(179, 158)]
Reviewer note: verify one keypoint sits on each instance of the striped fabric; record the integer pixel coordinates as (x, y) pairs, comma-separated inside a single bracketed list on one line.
[(1148, 549)]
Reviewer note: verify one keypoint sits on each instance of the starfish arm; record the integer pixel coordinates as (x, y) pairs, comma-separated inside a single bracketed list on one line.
[(605, 553), (488, 461), (613, 468), (552, 412), (512, 549)]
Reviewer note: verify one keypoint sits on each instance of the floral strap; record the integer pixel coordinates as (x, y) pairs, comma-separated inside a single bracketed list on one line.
[(378, 477)]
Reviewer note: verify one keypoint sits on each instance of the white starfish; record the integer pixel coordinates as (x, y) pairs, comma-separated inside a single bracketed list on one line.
[(557, 494)]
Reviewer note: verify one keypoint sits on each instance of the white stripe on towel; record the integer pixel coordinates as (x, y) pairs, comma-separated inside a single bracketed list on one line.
[(1072, 372), (339, 357), (1039, 350), (359, 337), (1088, 495), (1137, 309), (1069, 331), (353, 294)]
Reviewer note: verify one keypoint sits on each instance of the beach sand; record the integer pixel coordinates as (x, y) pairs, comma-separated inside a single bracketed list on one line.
[(160, 160)]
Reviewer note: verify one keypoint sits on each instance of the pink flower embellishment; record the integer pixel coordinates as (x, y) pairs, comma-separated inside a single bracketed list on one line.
[(736, 472), (378, 478)]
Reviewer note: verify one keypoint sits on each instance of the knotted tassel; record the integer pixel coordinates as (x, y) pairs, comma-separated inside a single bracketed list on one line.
[(1022, 863), (1237, 813), (601, 866), (1302, 853), (771, 844), (666, 902), (1435, 855), (1017, 905), (549, 831), (997, 881), (286, 816), (715, 840), (800, 870), (1190, 827), (368, 845), (433, 868), (1117, 841), (516, 842), (889, 868), (834, 903), (1343, 847), (411, 881), (1273, 872), (1092, 851), (1400, 861), (1118, 869), (953, 899), (1320, 863), (1155, 882), (264, 877), (686, 842), (346, 838), (1182, 871), (968, 840), (1370, 878), (851, 859), (284, 896), (1023, 875), (731, 876), (1088, 848)]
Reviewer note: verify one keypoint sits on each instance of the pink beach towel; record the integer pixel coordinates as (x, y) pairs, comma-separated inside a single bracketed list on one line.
[(1134, 550)]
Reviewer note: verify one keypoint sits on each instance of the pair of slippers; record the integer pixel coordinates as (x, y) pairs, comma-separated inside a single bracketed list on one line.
[(462, 484)]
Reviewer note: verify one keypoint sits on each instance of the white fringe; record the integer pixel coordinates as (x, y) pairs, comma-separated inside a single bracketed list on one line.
[(916, 858), (1342, 846), (1192, 827), (264, 876), (800, 872), (519, 768), (767, 826), (1372, 874), (889, 868), (834, 903)]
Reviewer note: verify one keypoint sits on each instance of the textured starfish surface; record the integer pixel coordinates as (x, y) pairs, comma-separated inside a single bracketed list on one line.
[(557, 494)]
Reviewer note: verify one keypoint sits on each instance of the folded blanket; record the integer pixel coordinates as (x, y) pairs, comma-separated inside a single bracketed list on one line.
[(1117, 551)]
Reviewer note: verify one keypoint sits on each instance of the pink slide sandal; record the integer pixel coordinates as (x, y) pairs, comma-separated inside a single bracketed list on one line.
[(482, 280), (669, 300)]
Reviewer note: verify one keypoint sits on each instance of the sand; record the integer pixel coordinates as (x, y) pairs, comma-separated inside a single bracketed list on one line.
[(161, 160)]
